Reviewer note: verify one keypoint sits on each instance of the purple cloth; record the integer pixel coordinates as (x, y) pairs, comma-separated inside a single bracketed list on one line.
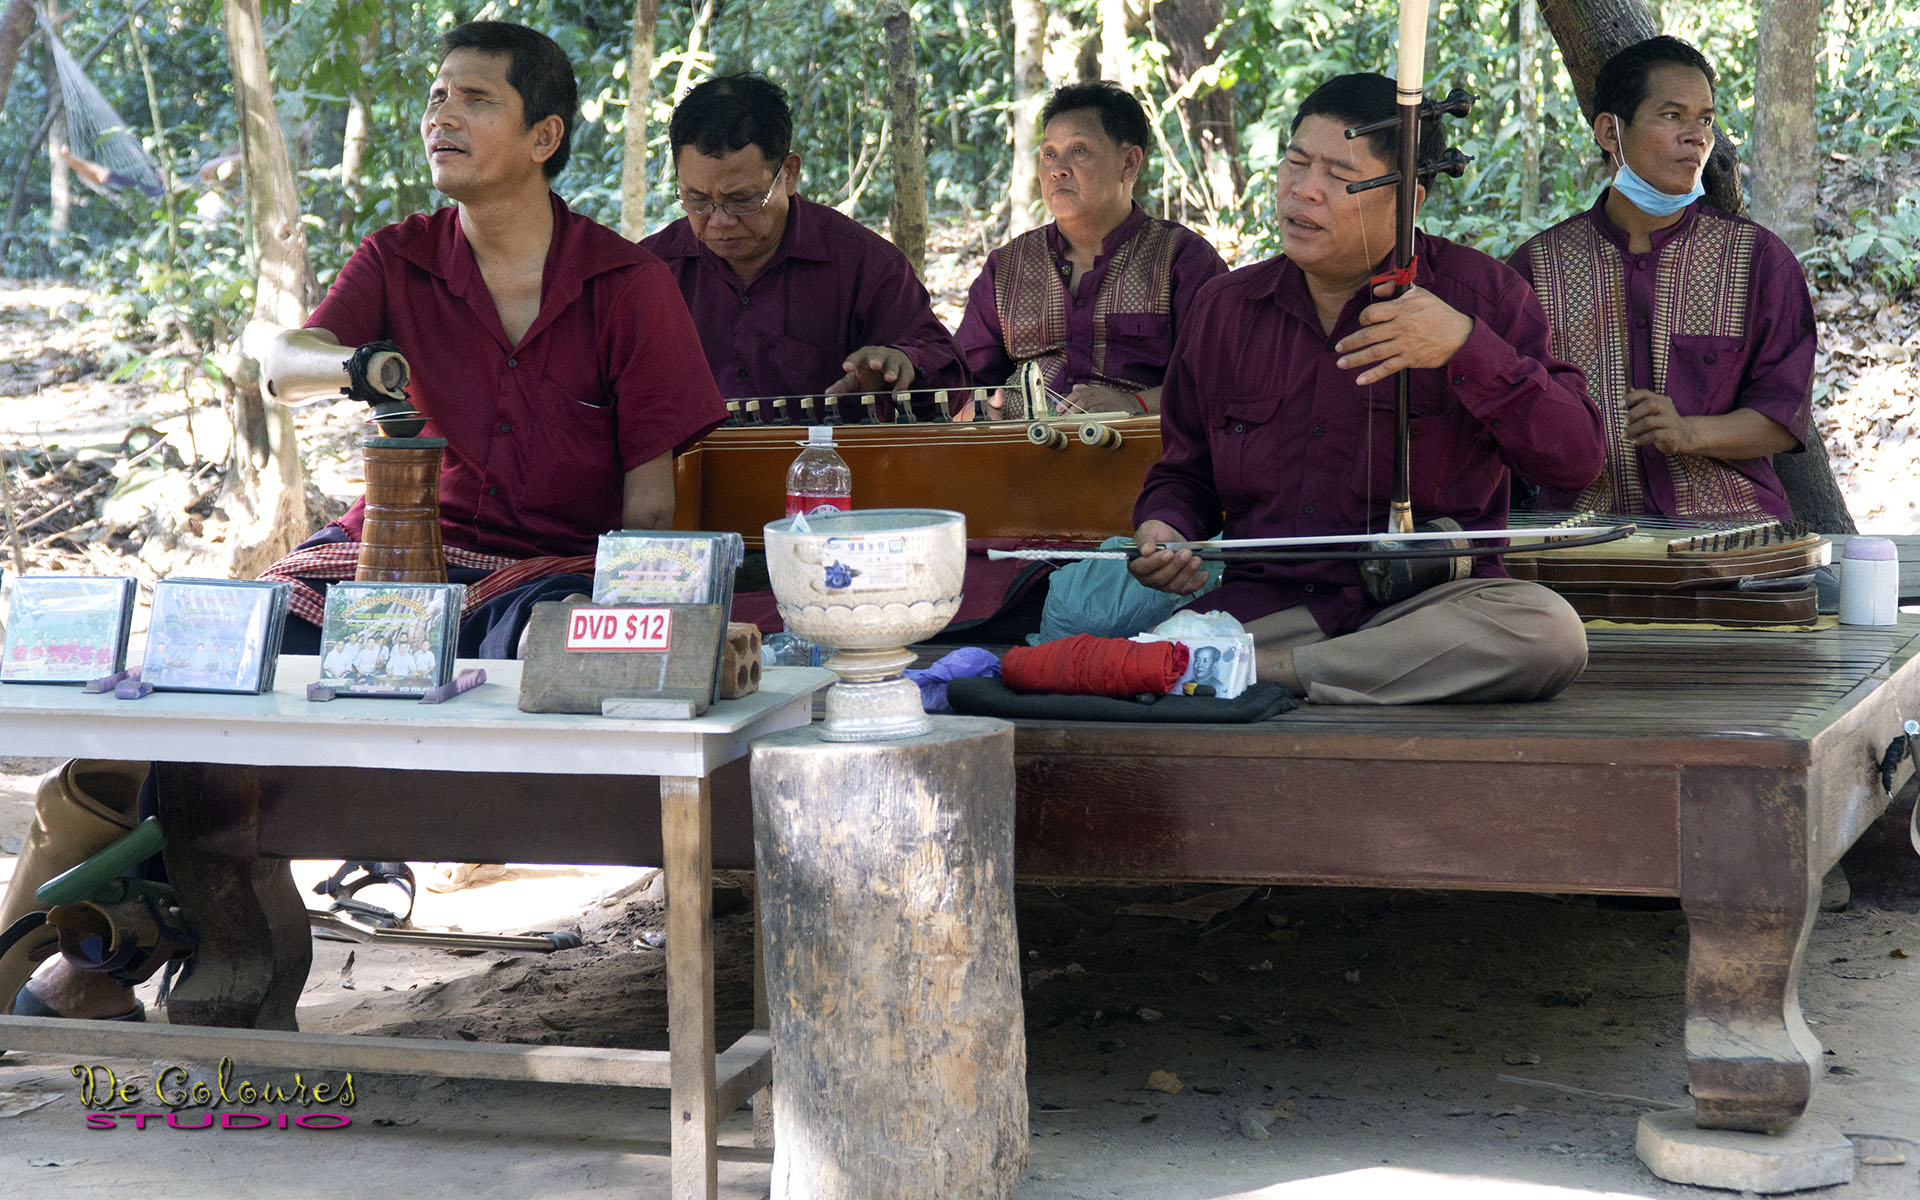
[(1136, 342), (968, 662), (1259, 424), (1726, 302), (831, 287), (539, 435)]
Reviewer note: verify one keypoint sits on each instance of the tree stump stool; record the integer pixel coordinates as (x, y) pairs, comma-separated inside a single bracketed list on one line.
[(892, 964)]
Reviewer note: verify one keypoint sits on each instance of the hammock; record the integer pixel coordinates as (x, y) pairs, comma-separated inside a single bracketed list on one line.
[(94, 131)]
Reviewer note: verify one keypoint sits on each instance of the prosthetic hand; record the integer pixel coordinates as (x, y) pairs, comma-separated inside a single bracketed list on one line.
[(304, 366)]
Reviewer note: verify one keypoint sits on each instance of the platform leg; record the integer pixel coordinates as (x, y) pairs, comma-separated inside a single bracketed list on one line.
[(686, 832), (1750, 894)]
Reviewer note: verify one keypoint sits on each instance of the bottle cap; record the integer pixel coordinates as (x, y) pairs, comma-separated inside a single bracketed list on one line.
[(1870, 548), (819, 435)]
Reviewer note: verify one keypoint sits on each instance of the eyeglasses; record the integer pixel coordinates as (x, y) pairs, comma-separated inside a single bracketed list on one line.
[(733, 208)]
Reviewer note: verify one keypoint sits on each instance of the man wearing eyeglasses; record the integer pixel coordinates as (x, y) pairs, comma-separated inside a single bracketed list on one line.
[(1693, 327), (791, 298)]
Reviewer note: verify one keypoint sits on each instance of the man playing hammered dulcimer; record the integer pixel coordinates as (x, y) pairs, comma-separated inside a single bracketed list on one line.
[(1277, 418)]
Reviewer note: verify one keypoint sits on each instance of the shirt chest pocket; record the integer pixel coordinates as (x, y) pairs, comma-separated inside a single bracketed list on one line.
[(1246, 445), (1703, 373)]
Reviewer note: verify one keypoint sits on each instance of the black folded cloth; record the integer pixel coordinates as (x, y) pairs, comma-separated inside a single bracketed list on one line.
[(992, 698)]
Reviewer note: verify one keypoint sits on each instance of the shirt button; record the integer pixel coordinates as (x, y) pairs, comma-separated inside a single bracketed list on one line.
[(1309, 587), (1319, 431), (740, 373), (1239, 428), (505, 428), (1458, 380), (743, 302), (1712, 358), (1640, 321), (1307, 508), (513, 362), (493, 491), (1640, 264), (1495, 422)]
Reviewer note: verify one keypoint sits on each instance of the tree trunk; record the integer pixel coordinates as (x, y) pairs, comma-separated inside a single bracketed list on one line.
[(908, 219), (1528, 41), (15, 24), (1029, 94), (267, 484), (1590, 32), (353, 143), (633, 159), (59, 175), (1184, 26), (1116, 63), (1786, 166)]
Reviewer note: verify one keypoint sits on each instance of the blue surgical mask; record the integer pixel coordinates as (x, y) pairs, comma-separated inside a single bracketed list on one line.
[(1643, 195)]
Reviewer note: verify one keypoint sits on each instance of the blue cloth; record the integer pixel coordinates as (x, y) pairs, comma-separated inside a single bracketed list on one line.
[(1101, 597), (967, 662)]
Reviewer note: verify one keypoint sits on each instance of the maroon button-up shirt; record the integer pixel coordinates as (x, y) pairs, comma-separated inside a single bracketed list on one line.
[(1716, 316), (540, 435), (831, 287), (1265, 437), (1138, 342)]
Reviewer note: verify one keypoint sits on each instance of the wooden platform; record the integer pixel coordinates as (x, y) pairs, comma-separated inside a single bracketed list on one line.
[(1728, 769)]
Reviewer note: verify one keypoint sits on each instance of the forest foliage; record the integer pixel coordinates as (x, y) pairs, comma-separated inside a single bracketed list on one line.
[(186, 284)]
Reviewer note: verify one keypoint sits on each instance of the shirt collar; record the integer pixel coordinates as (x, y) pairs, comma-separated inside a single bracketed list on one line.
[(1119, 236), (1659, 238), (579, 250)]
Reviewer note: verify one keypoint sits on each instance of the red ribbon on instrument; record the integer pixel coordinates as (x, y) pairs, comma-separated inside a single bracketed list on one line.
[(1399, 276), (1084, 665)]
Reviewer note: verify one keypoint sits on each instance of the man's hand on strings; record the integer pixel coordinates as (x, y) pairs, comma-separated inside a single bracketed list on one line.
[(1176, 571), (1418, 329), (1652, 420), (874, 369)]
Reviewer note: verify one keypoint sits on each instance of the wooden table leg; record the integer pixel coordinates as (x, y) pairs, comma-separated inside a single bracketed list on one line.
[(686, 832), (1750, 895), (762, 1019), (254, 944)]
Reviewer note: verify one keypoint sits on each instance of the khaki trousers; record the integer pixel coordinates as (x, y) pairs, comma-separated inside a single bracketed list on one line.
[(1470, 641)]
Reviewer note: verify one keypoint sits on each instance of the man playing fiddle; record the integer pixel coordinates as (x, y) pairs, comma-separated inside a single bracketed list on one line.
[(1277, 419), (1694, 328), (790, 297)]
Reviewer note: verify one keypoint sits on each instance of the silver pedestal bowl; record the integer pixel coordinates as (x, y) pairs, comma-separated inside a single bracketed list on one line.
[(868, 583)]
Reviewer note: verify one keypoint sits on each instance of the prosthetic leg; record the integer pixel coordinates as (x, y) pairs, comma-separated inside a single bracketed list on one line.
[(83, 806)]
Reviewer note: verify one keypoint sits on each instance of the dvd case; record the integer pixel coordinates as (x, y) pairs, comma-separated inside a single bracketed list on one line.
[(644, 566), (389, 639), (66, 629), (214, 635)]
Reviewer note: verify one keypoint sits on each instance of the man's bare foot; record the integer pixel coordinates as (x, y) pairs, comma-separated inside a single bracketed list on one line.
[(82, 995)]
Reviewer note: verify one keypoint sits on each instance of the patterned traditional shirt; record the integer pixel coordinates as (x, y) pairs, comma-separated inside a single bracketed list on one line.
[(1716, 316), (1117, 329)]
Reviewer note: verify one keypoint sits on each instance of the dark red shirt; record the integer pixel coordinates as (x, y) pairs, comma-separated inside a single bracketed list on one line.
[(831, 287), (540, 435), (1136, 342), (1265, 437)]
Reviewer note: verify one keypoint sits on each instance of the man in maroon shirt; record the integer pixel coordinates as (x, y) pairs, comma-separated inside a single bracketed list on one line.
[(555, 357), (791, 298), (1097, 296), (1694, 328), (1277, 419)]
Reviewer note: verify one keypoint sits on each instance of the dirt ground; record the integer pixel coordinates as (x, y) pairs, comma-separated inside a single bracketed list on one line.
[(1388, 1044)]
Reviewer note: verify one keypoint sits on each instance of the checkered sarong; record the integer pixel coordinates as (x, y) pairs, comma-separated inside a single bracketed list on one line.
[(339, 560)]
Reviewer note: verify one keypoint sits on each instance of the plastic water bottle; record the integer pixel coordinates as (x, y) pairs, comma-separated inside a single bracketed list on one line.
[(818, 480)]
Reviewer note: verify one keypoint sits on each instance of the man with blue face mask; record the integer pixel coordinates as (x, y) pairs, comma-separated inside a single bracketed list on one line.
[(1694, 329)]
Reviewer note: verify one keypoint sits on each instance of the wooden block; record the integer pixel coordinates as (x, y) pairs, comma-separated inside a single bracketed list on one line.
[(648, 708), (556, 679), (740, 668)]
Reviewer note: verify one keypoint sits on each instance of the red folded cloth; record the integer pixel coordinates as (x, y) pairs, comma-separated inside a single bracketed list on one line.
[(1084, 665)]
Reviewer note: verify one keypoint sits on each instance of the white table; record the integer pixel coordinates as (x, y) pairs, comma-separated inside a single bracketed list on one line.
[(247, 782)]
